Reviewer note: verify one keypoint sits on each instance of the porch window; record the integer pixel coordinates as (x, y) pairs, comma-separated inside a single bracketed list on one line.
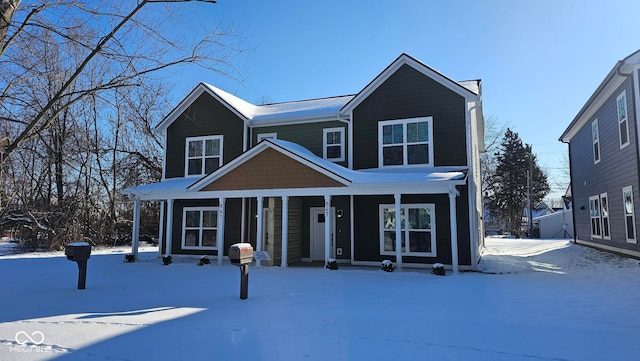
[(623, 123), (594, 215), (200, 228), (417, 227), (333, 144), (203, 155), (629, 217), (405, 142), (595, 135)]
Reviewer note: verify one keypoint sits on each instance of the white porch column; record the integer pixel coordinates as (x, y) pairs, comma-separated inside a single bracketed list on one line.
[(398, 217), (243, 222), (161, 229), (259, 229), (285, 230), (135, 232), (327, 228), (220, 233), (453, 193), (169, 226)]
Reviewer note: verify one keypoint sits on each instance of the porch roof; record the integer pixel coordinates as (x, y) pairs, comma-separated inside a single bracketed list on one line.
[(356, 182)]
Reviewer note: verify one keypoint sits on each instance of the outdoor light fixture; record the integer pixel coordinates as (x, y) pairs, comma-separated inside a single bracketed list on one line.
[(339, 213)]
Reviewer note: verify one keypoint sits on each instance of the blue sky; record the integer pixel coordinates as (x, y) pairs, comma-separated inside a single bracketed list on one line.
[(539, 60)]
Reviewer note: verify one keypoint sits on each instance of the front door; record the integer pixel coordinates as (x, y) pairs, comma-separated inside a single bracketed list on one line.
[(317, 233)]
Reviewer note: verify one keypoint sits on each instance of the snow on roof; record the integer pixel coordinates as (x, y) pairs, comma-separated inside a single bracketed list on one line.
[(471, 85), (296, 110), (167, 185)]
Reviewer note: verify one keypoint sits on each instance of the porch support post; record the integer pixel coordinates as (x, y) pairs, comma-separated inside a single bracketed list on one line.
[(135, 232), (327, 228), (398, 218), (259, 229), (453, 219), (243, 221), (169, 227), (220, 233), (161, 229), (285, 230)]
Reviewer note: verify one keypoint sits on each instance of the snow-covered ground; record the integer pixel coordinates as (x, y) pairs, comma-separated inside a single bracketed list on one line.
[(537, 300)]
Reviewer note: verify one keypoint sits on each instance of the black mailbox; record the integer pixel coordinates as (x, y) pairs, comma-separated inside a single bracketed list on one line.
[(79, 252), (241, 254)]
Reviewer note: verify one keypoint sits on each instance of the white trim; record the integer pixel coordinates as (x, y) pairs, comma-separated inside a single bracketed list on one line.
[(608, 248), (623, 96), (593, 208), (135, 234), (405, 207), (164, 155), (220, 229), (605, 227), (326, 131), (595, 139), (327, 228), (350, 142), (160, 228), (169, 244), (633, 215), (636, 92), (405, 143), (261, 136), (202, 139), (453, 220), (351, 227), (200, 228)]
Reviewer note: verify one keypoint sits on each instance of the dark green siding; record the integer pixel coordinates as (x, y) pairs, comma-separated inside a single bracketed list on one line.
[(206, 116), (410, 94), (367, 228), (308, 135), (232, 226)]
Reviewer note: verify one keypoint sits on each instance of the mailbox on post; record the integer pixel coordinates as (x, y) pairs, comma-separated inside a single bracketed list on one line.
[(79, 252), (241, 254)]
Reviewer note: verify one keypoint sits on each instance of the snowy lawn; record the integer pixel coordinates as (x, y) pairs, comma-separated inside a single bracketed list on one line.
[(537, 300)]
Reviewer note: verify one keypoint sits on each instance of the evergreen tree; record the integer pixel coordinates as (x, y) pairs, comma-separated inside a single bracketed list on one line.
[(509, 198)]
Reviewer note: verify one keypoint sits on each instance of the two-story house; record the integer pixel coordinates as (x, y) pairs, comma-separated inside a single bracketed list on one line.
[(603, 154), (327, 178)]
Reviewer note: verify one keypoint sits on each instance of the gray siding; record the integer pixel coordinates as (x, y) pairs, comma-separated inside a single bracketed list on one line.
[(410, 94), (617, 168), (308, 135), (205, 116)]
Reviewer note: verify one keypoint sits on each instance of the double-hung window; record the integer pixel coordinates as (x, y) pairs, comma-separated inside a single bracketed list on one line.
[(200, 227), (405, 142), (333, 144), (203, 155), (417, 229), (594, 215), (604, 214), (595, 135), (629, 217), (623, 122)]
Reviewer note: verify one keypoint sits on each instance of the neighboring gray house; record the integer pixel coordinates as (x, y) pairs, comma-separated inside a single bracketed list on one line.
[(603, 154), (327, 178)]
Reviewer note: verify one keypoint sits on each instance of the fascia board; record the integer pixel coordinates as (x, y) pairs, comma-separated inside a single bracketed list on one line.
[(393, 67), (293, 120)]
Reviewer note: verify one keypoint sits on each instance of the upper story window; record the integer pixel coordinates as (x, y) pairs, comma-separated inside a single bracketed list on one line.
[(333, 144), (595, 135), (405, 142), (203, 155), (623, 123)]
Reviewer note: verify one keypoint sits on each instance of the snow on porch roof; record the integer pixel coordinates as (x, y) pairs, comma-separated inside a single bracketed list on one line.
[(278, 112), (394, 178)]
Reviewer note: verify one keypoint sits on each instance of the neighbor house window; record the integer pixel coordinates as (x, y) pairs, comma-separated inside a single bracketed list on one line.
[(417, 227), (595, 134), (604, 214), (405, 142), (623, 123), (203, 155), (629, 218), (333, 144), (200, 228), (594, 214)]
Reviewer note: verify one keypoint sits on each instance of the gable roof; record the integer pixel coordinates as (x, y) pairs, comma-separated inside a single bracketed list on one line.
[(466, 89), (611, 82)]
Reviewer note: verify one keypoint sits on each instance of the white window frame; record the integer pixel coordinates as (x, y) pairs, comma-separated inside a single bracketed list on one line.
[(595, 136), (625, 190), (404, 208), (595, 221), (200, 228), (202, 139), (263, 136), (604, 216), (623, 97), (325, 143), (405, 144)]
